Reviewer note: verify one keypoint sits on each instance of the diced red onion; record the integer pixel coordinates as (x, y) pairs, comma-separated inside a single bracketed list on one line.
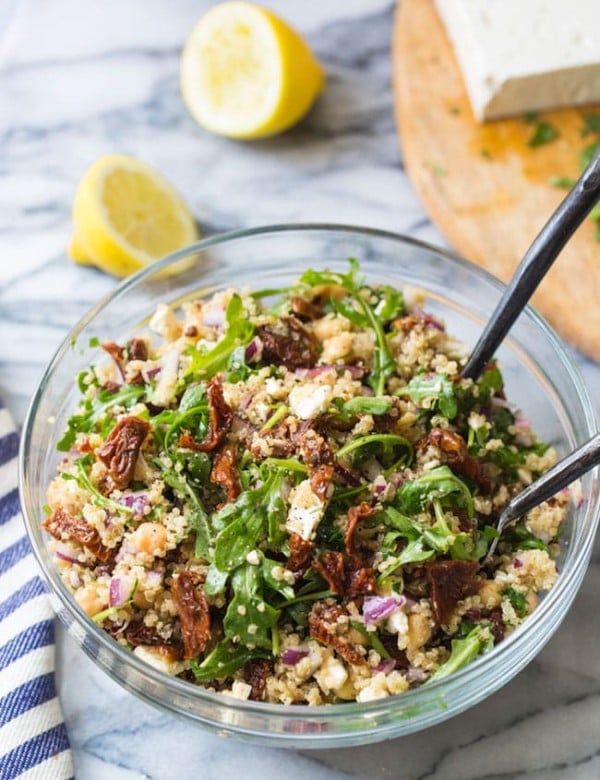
[(379, 488), (292, 655), (522, 422), (150, 373), (386, 666), (473, 614), (65, 553), (153, 578), (116, 595), (430, 322), (254, 350), (213, 316), (356, 372), (415, 674), (378, 608), (518, 563), (136, 501)]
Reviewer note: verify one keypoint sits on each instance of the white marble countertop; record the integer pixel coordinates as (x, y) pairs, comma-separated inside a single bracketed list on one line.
[(80, 78)]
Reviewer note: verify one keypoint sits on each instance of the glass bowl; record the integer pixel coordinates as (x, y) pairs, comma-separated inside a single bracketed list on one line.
[(540, 378)]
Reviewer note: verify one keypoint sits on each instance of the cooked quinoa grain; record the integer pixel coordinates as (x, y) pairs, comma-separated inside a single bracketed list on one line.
[(292, 501)]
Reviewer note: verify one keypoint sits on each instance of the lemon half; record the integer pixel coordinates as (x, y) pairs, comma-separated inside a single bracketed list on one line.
[(127, 215), (245, 73)]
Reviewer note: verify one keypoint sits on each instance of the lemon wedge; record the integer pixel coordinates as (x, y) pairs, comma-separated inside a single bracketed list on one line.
[(127, 215), (245, 73)]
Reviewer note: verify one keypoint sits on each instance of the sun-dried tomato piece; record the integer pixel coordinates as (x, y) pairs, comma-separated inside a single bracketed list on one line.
[(360, 582), (306, 310), (193, 610), (120, 451), (219, 420), (224, 471), (498, 626), (288, 344), (256, 671), (331, 568), (137, 633), (137, 349), (318, 457), (356, 513), (454, 452), (300, 555), (63, 526), (117, 353), (325, 627), (451, 581)]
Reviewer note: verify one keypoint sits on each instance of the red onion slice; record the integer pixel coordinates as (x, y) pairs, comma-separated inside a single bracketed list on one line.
[(378, 608), (292, 655)]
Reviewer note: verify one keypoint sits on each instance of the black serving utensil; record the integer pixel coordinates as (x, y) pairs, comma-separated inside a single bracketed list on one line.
[(536, 263), (559, 476)]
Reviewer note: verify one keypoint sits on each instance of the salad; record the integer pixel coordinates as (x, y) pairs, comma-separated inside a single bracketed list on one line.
[(289, 495)]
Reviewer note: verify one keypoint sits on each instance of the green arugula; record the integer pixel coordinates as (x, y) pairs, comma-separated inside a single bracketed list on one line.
[(239, 332), (85, 483), (440, 483), (437, 388), (249, 619), (462, 653), (517, 600), (390, 449), (224, 661)]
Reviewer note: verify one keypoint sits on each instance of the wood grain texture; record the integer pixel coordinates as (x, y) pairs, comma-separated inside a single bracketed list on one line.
[(483, 186)]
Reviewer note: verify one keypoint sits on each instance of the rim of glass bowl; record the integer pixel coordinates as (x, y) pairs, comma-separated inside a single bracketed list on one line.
[(410, 698)]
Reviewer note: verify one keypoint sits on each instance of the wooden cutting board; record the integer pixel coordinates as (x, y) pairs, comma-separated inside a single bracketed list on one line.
[(484, 187)]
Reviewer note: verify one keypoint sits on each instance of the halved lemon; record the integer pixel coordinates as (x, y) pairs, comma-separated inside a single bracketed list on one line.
[(245, 73), (127, 215)]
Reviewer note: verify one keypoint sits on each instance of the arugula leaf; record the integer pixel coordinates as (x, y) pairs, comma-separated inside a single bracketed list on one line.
[(436, 387), (440, 483), (249, 619), (391, 303), (86, 419), (279, 586), (216, 580), (406, 527), (366, 405), (85, 483), (391, 449), (224, 661), (463, 652), (412, 553), (239, 332), (591, 124), (520, 538), (490, 383), (517, 600), (543, 134), (372, 638)]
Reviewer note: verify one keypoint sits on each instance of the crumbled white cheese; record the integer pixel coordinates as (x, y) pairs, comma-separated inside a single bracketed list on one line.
[(332, 675), (306, 511), (310, 400), (397, 623), (151, 656), (165, 323)]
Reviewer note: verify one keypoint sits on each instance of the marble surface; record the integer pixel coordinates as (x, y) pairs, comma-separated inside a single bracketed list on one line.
[(80, 78)]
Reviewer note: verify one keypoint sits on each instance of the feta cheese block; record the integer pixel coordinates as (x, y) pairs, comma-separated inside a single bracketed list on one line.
[(520, 56)]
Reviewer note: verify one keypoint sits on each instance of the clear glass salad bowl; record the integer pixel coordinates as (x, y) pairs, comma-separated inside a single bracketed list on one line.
[(540, 378)]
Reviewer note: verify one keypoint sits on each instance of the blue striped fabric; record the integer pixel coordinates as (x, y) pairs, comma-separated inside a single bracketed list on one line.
[(33, 737)]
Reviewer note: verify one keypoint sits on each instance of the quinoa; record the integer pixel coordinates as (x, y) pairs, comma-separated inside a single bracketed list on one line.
[(292, 500)]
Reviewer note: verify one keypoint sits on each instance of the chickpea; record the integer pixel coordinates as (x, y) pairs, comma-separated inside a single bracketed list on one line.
[(419, 630), (339, 346), (151, 538), (328, 327), (92, 599), (489, 593)]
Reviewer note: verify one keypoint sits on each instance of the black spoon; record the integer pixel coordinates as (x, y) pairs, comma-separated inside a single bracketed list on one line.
[(559, 476), (536, 263)]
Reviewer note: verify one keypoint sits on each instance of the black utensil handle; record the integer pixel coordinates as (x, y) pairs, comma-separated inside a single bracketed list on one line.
[(559, 476), (534, 266)]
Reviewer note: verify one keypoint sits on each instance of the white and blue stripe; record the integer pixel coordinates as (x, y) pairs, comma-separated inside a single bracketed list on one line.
[(33, 737)]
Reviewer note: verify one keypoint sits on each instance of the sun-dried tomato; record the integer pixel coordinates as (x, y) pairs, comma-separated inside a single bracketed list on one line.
[(63, 526), (360, 582), (117, 353), (318, 457), (451, 581), (325, 627), (219, 420), (306, 310), (454, 452), (120, 451), (498, 626), (193, 610), (137, 633), (356, 513), (290, 344), (137, 349), (300, 555), (256, 671), (224, 471), (331, 567)]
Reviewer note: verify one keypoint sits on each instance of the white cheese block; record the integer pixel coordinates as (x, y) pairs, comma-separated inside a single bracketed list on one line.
[(525, 55)]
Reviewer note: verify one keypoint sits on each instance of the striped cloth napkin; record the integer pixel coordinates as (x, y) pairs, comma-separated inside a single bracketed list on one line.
[(33, 737)]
